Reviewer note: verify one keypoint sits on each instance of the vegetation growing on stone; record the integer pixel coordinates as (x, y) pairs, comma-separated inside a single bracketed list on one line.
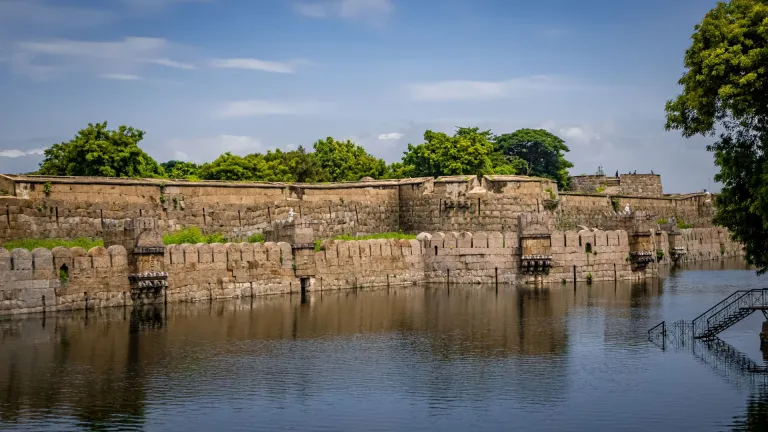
[(256, 238), (31, 244), (192, 235), (724, 91)]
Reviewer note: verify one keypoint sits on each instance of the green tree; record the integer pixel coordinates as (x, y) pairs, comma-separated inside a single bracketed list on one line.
[(231, 167), (347, 161), (725, 90), (543, 153), (468, 151), (98, 151), (181, 170), (300, 166)]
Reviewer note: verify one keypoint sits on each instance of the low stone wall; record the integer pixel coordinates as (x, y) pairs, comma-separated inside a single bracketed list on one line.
[(64, 278)]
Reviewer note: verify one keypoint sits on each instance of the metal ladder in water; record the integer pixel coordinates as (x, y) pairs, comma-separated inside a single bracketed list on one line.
[(719, 317)]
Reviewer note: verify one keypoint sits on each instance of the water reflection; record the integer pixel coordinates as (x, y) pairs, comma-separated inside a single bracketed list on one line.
[(405, 357)]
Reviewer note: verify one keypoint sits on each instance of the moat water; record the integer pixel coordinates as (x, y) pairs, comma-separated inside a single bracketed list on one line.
[(416, 359)]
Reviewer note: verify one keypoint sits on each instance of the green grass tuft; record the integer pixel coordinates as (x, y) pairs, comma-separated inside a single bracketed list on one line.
[(31, 244), (256, 238)]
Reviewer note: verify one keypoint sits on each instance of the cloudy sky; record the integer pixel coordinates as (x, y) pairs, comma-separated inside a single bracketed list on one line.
[(207, 76)]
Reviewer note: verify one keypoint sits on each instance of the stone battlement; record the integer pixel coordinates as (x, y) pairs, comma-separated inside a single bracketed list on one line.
[(625, 184)]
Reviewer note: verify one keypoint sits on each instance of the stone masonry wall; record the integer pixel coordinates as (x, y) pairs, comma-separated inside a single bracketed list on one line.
[(60, 207), (81, 207), (461, 203), (647, 185), (202, 272)]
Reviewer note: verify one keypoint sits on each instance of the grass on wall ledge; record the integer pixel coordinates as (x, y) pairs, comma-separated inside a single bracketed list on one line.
[(31, 244), (192, 235)]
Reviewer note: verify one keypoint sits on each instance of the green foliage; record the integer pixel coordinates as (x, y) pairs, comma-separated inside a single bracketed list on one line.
[(4, 192), (98, 151), (31, 244), (600, 189), (659, 255), (347, 161), (589, 278), (274, 166), (551, 193), (542, 152), (386, 235), (63, 277), (181, 170), (683, 225), (162, 199), (662, 221), (615, 204), (47, 188), (192, 235), (724, 89), (318, 245), (469, 151), (256, 238)]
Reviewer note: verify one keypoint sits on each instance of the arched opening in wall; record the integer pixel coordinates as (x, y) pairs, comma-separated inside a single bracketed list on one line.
[(588, 248), (63, 275)]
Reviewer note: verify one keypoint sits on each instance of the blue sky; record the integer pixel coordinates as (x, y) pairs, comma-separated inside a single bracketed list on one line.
[(202, 77)]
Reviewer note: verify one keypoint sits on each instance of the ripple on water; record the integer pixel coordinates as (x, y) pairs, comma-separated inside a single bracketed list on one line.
[(417, 359)]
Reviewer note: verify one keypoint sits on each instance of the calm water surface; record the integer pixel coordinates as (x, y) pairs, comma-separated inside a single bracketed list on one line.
[(417, 358)]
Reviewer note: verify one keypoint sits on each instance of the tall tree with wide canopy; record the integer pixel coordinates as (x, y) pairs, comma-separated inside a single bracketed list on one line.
[(725, 91), (99, 151), (469, 151), (542, 151), (347, 161)]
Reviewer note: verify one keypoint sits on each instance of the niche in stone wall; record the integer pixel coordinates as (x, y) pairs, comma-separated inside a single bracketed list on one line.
[(63, 275), (588, 248)]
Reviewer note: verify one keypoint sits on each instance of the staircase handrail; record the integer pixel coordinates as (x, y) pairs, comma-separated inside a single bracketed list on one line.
[(702, 323), (747, 296), (748, 299), (739, 292)]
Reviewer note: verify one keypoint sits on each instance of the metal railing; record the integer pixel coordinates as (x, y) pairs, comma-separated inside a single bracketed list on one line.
[(734, 311), (700, 322)]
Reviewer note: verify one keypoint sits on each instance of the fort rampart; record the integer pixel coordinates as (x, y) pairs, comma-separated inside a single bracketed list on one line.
[(60, 207), (63, 279)]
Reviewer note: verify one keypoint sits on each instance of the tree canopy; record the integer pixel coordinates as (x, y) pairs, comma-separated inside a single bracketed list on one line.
[(347, 161), (98, 151), (541, 153), (725, 91), (469, 151)]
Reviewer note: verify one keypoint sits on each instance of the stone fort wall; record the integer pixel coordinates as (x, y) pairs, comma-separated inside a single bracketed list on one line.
[(63, 279), (648, 185), (59, 207)]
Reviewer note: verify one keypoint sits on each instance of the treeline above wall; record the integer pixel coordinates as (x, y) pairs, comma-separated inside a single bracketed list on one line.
[(99, 151)]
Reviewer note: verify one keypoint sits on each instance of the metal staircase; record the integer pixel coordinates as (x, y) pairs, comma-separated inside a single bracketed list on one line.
[(719, 317)]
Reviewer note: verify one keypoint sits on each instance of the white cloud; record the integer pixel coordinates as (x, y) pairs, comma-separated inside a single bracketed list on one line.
[(123, 57), (346, 9), (121, 77), (390, 136), (129, 49), (253, 64), (206, 149), (13, 153), (253, 108), (484, 90)]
